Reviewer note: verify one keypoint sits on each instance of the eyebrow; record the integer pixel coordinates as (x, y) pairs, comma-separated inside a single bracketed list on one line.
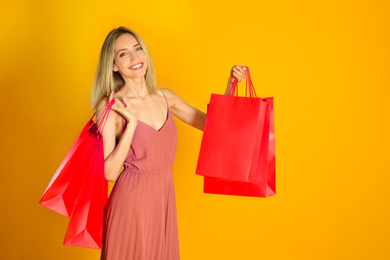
[(126, 48)]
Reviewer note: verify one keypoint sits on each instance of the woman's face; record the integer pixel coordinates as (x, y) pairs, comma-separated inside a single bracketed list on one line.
[(130, 59)]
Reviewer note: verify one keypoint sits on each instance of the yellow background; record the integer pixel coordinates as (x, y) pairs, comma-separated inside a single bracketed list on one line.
[(326, 63)]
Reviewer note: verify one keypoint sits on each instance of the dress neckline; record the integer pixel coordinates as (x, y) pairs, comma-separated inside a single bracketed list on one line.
[(166, 119), (162, 127)]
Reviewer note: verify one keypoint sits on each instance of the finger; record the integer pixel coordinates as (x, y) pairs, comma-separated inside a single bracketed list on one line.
[(241, 67), (126, 102), (118, 109), (128, 115), (238, 76), (111, 96), (115, 108), (241, 70), (234, 67)]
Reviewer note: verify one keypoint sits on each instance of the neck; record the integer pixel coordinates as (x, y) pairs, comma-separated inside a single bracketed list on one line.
[(135, 87)]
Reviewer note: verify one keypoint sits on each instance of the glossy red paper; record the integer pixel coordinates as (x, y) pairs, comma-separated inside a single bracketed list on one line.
[(78, 188), (237, 155), (264, 185), (86, 224)]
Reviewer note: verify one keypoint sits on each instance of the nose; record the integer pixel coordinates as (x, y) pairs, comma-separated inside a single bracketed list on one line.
[(133, 57)]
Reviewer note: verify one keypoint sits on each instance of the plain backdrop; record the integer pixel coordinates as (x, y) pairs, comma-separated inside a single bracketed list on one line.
[(326, 63)]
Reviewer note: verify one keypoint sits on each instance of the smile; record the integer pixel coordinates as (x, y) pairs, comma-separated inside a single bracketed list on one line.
[(137, 66)]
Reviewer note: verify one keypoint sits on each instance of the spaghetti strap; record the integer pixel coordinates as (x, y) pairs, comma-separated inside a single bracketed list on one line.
[(165, 98)]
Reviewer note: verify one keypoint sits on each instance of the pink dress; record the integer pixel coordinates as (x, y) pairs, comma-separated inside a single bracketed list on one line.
[(140, 220)]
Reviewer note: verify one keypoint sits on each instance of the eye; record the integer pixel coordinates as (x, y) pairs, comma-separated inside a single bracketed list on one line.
[(139, 49), (122, 54)]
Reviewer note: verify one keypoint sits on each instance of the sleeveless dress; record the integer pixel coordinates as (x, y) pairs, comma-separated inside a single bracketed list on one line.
[(140, 216)]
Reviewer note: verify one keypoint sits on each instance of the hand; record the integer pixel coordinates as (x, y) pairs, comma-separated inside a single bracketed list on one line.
[(126, 110), (239, 72)]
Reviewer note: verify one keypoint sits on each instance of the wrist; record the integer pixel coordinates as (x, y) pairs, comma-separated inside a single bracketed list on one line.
[(131, 125)]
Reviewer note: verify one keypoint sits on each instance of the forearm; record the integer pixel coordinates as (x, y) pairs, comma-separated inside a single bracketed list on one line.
[(194, 117), (199, 120), (113, 163)]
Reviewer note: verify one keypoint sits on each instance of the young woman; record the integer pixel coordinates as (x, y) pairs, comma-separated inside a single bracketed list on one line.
[(140, 134)]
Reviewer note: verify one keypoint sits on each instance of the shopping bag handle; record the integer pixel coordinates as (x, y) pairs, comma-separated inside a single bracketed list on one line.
[(232, 89), (103, 115)]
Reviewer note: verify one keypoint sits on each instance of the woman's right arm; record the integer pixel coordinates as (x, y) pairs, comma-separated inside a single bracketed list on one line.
[(115, 154)]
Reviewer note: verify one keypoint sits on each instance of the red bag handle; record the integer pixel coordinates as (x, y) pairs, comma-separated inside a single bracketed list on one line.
[(105, 116), (105, 112), (232, 88)]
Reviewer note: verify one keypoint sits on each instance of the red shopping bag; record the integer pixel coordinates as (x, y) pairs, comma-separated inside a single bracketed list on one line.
[(237, 155), (64, 186), (86, 224), (79, 180)]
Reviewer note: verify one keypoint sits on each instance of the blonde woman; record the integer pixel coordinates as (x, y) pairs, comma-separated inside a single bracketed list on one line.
[(140, 134)]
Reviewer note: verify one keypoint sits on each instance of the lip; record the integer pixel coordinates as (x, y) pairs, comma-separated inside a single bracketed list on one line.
[(142, 65)]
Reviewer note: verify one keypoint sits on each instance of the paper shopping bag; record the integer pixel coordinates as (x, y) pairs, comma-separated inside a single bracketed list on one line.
[(264, 185), (67, 181), (85, 228), (231, 138), (66, 184), (234, 142), (79, 186)]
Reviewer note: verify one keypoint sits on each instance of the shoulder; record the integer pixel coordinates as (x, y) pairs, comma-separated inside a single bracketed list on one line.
[(113, 116), (172, 97), (101, 105), (167, 92)]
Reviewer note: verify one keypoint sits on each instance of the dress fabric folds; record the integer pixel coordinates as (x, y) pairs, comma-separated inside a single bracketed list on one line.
[(140, 216)]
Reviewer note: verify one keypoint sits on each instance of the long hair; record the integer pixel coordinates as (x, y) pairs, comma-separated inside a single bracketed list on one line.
[(106, 80)]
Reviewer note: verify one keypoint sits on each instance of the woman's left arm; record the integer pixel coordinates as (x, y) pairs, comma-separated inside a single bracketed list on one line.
[(185, 112), (190, 114)]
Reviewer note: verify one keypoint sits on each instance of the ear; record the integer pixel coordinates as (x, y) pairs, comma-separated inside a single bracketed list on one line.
[(115, 69)]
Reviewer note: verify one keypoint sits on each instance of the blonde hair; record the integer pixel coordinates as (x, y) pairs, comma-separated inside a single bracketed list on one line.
[(106, 80)]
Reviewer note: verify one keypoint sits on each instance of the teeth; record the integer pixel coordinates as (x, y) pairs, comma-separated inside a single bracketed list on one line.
[(137, 66)]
